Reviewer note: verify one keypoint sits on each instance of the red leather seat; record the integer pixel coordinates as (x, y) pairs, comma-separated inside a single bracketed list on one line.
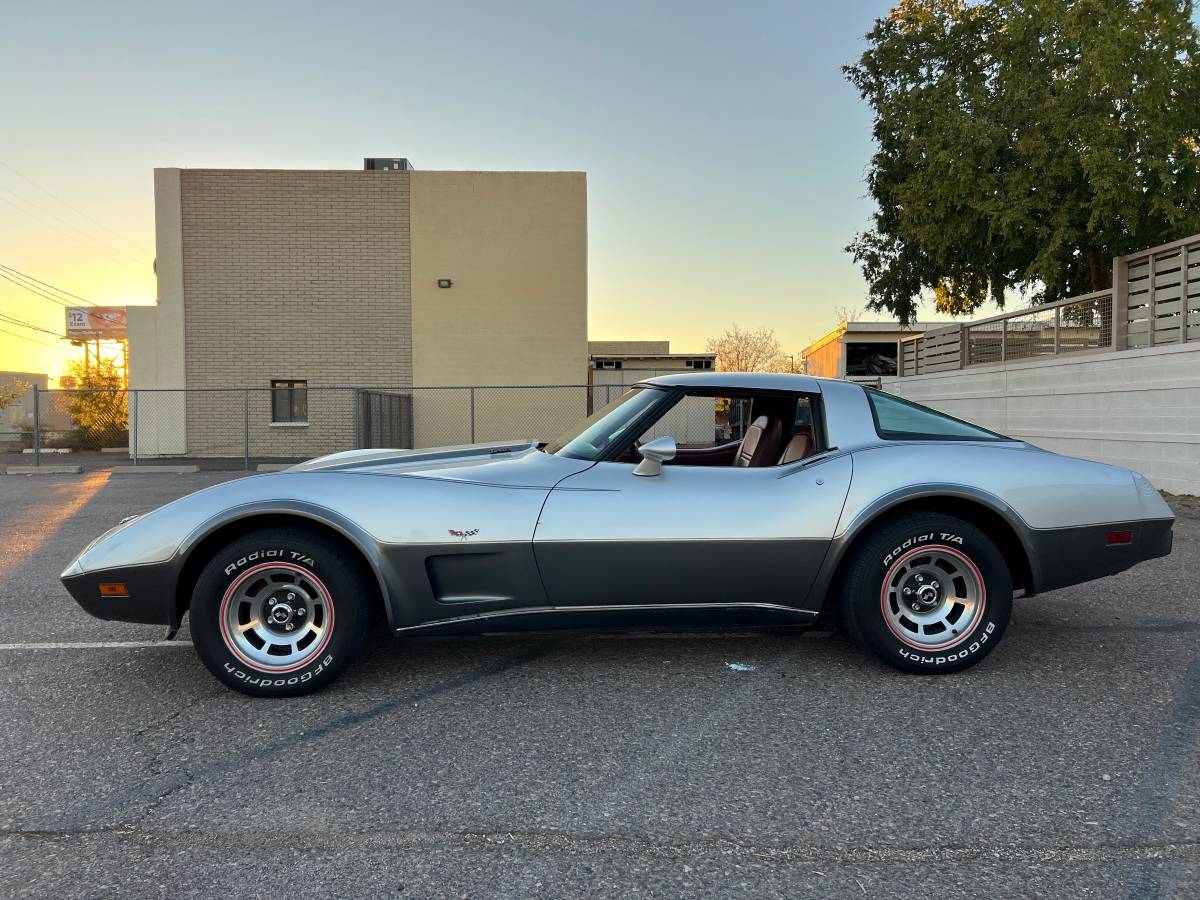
[(760, 443), (800, 446)]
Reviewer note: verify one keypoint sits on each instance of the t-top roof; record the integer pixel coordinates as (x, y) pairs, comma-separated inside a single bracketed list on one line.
[(763, 381)]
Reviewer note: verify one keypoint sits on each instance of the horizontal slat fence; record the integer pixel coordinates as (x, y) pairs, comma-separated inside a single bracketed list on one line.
[(1155, 299)]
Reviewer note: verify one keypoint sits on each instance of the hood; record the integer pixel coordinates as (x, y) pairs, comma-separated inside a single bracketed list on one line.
[(513, 464), (412, 459)]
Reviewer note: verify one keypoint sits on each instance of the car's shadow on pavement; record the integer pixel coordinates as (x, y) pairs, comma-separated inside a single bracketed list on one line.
[(1043, 636)]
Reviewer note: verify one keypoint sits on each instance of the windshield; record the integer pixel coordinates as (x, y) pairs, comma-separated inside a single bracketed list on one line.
[(595, 434)]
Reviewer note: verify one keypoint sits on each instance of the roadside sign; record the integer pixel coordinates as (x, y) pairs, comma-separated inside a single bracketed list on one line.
[(96, 322)]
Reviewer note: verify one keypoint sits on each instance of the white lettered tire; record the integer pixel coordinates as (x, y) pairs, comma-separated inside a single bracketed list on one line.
[(280, 612), (927, 592)]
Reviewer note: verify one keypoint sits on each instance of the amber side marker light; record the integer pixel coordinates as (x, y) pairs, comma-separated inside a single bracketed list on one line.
[(1116, 538), (113, 589)]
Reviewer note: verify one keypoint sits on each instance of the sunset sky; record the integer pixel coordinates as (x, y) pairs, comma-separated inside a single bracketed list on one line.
[(725, 152)]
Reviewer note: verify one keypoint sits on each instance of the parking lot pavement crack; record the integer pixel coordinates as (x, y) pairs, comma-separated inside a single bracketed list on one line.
[(185, 782), (567, 844), (116, 808), (170, 717)]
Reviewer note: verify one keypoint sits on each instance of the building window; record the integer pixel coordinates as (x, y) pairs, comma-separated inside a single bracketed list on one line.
[(289, 402)]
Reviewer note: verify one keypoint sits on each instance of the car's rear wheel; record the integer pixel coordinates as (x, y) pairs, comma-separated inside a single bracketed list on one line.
[(280, 612), (926, 592)]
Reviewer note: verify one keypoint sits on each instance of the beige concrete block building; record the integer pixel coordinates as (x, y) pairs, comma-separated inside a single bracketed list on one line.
[(617, 364), (291, 283)]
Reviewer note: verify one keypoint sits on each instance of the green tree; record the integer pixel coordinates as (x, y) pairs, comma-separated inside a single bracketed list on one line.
[(99, 406), (1023, 143), (12, 392)]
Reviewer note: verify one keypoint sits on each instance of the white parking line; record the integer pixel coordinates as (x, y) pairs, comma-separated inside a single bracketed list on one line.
[(95, 645)]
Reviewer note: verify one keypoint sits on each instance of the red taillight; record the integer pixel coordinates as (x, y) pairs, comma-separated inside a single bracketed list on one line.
[(1116, 538)]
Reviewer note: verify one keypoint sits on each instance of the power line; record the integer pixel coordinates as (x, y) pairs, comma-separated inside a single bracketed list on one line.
[(32, 290), (13, 320), (123, 257), (31, 340), (75, 209), (37, 206), (47, 284), (4, 270)]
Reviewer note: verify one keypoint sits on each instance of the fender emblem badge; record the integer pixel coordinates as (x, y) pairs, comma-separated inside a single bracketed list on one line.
[(463, 535)]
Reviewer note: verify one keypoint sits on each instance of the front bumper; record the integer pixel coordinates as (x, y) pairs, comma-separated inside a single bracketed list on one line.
[(1066, 556), (148, 597)]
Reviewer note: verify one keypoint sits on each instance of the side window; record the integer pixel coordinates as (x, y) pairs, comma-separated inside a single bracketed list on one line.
[(804, 415), (899, 419), (709, 430), (697, 422)]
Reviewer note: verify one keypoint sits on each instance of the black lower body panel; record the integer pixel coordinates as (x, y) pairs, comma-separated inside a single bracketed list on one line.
[(148, 598), (1066, 556), (616, 573)]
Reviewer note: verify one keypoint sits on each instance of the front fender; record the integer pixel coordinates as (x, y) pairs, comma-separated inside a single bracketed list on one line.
[(366, 544), (374, 513)]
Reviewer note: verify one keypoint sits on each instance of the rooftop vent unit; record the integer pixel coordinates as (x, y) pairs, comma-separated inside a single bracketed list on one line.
[(388, 165)]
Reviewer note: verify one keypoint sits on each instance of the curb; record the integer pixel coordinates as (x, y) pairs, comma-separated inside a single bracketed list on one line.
[(51, 469), (274, 467), (154, 470)]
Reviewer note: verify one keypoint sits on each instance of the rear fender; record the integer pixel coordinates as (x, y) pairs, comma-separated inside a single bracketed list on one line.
[(854, 524)]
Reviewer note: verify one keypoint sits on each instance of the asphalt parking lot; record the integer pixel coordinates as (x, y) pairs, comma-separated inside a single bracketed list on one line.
[(630, 764)]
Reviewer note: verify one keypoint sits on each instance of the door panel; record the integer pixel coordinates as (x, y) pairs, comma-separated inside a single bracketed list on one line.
[(689, 535)]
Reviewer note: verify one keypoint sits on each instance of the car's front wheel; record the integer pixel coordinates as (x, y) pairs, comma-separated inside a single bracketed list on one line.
[(280, 612), (927, 592)]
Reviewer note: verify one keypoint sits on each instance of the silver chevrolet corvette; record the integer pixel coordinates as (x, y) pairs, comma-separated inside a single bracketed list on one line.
[(712, 498)]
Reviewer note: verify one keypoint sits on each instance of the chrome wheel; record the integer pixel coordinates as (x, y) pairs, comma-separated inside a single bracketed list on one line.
[(276, 617), (933, 597)]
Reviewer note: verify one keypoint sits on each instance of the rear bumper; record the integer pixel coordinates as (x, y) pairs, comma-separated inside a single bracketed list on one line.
[(149, 597), (1066, 556)]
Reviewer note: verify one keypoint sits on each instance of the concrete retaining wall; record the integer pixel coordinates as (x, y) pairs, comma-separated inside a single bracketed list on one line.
[(1135, 408)]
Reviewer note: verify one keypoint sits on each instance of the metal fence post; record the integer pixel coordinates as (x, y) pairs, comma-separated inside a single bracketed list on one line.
[(357, 400), (133, 437), (37, 426), (246, 427), (472, 415), (1003, 340), (1057, 328)]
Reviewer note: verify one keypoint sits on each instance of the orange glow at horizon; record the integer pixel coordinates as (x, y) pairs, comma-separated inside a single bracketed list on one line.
[(104, 281)]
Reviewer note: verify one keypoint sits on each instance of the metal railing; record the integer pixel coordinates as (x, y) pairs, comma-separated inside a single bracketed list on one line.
[(1155, 299), (248, 425)]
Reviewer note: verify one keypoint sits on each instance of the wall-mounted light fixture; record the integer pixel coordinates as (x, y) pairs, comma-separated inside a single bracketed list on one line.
[(445, 282)]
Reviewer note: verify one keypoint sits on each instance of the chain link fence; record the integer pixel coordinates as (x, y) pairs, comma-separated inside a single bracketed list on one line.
[(249, 425)]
